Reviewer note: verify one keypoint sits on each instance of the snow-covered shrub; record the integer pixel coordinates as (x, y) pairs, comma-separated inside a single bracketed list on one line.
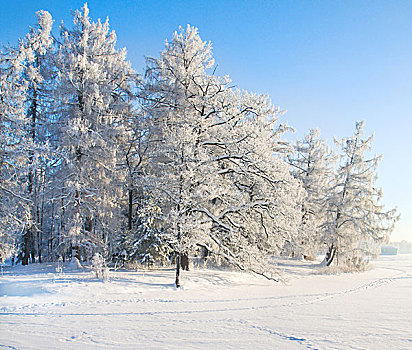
[(349, 261), (99, 267), (59, 267)]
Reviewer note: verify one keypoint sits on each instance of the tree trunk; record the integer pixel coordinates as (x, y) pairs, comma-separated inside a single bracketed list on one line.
[(130, 212), (204, 255), (178, 271), (25, 259), (76, 252), (28, 239), (184, 262), (27, 246), (179, 233), (330, 255), (178, 259), (40, 217)]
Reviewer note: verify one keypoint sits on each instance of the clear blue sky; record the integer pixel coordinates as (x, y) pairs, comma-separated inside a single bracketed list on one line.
[(328, 63)]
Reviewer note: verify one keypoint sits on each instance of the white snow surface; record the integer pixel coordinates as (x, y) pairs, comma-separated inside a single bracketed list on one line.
[(43, 309)]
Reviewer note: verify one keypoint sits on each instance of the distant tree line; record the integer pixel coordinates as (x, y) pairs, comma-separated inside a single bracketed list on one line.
[(176, 162), (403, 247)]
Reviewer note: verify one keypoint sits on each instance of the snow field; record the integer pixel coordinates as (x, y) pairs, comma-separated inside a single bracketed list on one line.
[(41, 309)]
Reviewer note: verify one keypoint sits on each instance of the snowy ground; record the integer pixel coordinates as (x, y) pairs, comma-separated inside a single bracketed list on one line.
[(41, 309)]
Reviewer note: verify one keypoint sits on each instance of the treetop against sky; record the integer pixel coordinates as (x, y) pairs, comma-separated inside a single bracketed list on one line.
[(327, 64)]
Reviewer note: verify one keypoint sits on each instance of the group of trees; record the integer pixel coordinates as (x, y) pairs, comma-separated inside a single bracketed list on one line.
[(171, 164)]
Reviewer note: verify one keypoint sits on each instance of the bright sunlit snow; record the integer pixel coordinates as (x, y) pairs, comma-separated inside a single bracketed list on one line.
[(119, 168), (42, 309)]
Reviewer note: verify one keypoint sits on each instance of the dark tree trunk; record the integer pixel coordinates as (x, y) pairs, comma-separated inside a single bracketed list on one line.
[(27, 246), (88, 224), (76, 251), (179, 233), (330, 255), (130, 211), (178, 271), (29, 252), (40, 245), (25, 259), (184, 262), (60, 232), (40, 217), (204, 255), (178, 258)]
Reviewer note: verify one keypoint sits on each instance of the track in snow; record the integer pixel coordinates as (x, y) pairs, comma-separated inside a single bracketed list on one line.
[(225, 313)]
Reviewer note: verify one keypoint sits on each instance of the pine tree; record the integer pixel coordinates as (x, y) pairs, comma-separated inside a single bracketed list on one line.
[(93, 101), (312, 164), (11, 150), (358, 224), (23, 149), (33, 55)]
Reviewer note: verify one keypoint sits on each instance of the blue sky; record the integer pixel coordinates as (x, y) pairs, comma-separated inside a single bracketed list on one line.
[(328, 63)]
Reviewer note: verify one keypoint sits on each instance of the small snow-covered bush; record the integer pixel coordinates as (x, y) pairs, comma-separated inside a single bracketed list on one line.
[(99, 267), (353, 264), (59, 267)]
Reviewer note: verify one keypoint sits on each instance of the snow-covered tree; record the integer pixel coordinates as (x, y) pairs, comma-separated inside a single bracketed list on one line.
[(23, 149), (12, 155), (143, 242), (313, 164), (36, 75), (93, 101), (178, 169), (213, 157), (358, 223), (261, 201), (140, 213)]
